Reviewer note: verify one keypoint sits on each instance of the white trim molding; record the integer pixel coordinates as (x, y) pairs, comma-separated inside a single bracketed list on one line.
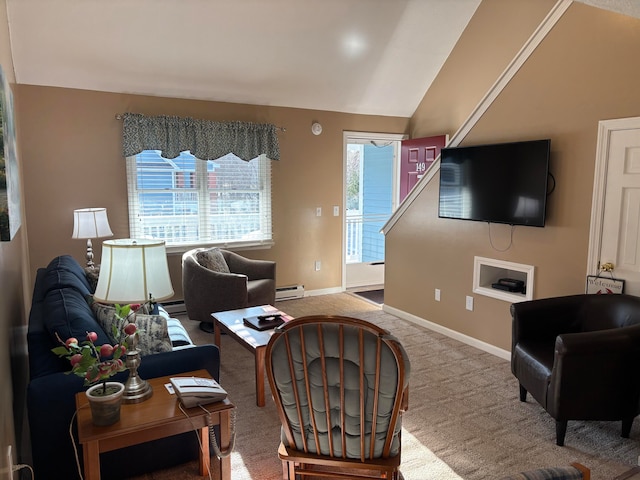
[(522, 56), (461, 337)]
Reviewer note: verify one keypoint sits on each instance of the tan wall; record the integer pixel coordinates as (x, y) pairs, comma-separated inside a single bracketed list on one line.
[(501, 27), (72, 157), (13, 298), (583, 72)]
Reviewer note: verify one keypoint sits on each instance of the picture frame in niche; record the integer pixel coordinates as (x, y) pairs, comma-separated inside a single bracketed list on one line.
[(602, 285), (10, 213)]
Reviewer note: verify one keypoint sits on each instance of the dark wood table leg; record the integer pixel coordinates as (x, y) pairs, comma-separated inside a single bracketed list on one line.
[(205, 456), (216, 333), (260, 366), (91, 456)]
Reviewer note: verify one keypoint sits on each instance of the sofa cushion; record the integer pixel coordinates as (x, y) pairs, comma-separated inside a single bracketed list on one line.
[(153, 334), (57, 278), (68, 264), (213, 260), (178, 334), (68, 314)]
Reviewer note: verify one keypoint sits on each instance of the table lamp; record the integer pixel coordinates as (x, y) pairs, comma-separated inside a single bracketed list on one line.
[(90, 223), (133, 271)]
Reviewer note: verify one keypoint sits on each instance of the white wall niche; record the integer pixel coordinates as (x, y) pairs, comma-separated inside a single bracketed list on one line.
[(487, 271)]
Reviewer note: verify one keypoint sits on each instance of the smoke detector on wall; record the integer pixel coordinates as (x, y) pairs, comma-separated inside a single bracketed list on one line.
[(316, 128)]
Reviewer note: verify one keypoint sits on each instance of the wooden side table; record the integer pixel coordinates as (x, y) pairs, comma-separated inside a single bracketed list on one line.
[(231, 322), (158, 417)]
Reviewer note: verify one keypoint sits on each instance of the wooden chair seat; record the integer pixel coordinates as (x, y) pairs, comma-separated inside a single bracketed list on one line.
[(307, 465)]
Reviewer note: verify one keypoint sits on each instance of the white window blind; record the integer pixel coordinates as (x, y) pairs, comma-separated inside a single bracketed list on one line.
[(187, 201)]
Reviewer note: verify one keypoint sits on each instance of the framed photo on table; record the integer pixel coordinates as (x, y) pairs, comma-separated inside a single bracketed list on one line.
[(602, 285)]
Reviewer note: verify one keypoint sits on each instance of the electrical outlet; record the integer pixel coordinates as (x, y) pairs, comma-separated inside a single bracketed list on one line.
[(336, 211), (469, 303), (318, 265), (9, 464), (437, 294)]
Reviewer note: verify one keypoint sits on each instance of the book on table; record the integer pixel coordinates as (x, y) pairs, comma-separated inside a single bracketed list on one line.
[(264, 322)]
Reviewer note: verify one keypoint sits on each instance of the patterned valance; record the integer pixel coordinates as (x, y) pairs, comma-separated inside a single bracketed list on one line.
[(205, 139)]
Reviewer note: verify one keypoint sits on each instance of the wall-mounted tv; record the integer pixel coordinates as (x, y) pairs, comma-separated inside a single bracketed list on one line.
[(499, 183)]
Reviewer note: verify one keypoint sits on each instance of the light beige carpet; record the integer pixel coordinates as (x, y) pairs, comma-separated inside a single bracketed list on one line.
[(464, 420)]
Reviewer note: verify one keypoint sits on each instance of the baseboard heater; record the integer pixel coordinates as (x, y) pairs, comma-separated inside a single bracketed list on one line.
[(174, 307), (289, 292)]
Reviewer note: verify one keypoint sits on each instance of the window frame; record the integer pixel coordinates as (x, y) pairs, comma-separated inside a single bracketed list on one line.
[(203, 192)]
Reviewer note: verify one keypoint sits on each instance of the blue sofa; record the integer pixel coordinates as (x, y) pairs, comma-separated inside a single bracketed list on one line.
[(60, 304)]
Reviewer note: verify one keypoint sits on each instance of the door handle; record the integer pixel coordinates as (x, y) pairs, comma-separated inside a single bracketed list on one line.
[(607, 267)]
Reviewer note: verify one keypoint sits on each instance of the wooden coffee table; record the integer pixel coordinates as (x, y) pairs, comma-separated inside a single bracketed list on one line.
[(231, 322), (158, 417)]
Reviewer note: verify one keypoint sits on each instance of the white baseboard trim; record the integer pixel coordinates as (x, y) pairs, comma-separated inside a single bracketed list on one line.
[(323, 291), (474, 342)]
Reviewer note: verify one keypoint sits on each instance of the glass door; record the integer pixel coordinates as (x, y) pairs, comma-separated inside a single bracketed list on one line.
[(371, 193)]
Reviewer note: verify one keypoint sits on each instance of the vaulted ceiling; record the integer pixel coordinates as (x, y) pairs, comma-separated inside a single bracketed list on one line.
[(358, 56)]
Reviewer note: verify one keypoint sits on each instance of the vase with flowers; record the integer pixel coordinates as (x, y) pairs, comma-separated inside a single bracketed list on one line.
[(97, 364)]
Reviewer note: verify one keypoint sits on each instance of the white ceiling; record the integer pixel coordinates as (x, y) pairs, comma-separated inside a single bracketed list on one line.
[(358, 56)]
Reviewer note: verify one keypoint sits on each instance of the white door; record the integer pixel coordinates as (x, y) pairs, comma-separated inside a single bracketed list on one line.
[(615, 217)]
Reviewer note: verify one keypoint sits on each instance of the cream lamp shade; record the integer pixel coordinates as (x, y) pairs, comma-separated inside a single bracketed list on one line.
[(133, 271), (90, 223)]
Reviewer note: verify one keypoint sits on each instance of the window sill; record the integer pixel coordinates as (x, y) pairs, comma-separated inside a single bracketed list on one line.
[(235, 246)]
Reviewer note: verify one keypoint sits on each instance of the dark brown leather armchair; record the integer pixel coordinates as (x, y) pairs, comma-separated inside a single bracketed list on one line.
[(215, 280), (579, 357)]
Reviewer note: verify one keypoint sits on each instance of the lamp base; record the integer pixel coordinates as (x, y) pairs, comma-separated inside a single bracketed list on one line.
[(90, 263), (136, 390)]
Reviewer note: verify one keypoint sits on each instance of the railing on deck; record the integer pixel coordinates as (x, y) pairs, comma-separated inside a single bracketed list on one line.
[(354, 236), (181, 228)]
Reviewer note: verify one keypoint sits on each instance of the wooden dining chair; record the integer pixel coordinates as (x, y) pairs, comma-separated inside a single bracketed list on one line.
[(340, 386)]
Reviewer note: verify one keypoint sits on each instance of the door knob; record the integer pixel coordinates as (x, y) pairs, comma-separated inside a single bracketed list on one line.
[(607, 267)]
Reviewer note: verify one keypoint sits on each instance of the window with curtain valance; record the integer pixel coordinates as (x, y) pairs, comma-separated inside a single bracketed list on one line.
[(196, 182), (205, 139)]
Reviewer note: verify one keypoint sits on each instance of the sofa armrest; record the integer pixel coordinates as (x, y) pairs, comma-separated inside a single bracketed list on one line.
[(253, 269), (607, 358), (183, 360)]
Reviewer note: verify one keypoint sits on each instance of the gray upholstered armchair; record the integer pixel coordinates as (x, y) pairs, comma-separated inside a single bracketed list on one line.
[(340, 386), (214, 280)]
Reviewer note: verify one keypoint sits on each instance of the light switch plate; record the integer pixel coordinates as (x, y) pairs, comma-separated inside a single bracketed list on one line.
[(469, 303)]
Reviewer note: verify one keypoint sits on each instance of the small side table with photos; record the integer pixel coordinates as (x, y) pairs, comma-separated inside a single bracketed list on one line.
[(158, 417)]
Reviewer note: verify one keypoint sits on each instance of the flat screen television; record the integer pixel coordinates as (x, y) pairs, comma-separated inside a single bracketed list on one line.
[(499, 183)]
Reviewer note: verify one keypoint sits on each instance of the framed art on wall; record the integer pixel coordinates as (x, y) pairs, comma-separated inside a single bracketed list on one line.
[(10, 214)]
